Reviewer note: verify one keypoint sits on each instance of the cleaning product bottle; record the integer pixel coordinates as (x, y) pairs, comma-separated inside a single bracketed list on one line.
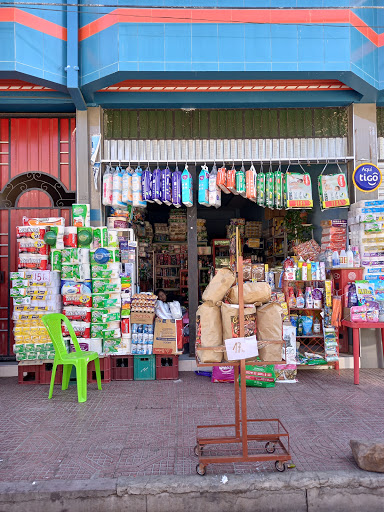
[(343, 258), (328, 259), (291, 298), (308, 298), (299, 331), (300, 302), (356, 257), (298, 273), (304, 271), (335, 259), (316, 326), (349, 258), (309, 271)]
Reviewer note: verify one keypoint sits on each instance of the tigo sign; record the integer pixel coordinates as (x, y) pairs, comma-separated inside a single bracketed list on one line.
[(367, 177)]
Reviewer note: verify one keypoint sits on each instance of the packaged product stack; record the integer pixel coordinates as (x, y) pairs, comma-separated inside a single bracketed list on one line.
[(366, 225), (202, 235), (161, 232), (178, 225), (142, 317), (35, 293), (231, 229), (253, 229), (334, 235)]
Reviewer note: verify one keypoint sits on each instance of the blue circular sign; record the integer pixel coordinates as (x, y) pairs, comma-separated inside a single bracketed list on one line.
[(101, 255), (367, 177)]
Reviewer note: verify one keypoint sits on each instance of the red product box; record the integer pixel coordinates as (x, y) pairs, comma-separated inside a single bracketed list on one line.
[(125, 326)]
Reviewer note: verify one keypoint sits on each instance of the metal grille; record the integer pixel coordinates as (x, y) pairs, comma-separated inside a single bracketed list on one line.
[(227, 150)]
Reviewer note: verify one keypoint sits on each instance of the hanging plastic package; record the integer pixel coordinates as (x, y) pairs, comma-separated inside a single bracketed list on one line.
[(156, 185), (261, 188), (146, 185), (250, 183), (231, 180), (214, 189), (298, 189), (186, 187), (269, 189), (166, 186), (278, 192), (117, 189), (107, 186), (222, 180), (176, 188), (204, 186), (240, 182), (333, 190), (126, 195), (137, 191), (284, 191)]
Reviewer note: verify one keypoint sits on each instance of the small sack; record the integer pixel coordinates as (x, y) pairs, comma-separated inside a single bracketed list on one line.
[(270, 350), (251, 183), (208, 333), (231, 180), (219, 286), (222, 180), (270, 322), (252, 292), (260, 376), (223, 374), (230, 321)]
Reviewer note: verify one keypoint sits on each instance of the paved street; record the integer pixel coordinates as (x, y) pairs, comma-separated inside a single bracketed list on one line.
[(149, 428)]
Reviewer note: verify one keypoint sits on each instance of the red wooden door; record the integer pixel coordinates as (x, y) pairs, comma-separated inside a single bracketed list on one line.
[(31, 152)]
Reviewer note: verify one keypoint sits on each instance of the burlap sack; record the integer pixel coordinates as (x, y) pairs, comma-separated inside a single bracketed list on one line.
[(253, 292), (219, 285), (270, 329), (208, 333)]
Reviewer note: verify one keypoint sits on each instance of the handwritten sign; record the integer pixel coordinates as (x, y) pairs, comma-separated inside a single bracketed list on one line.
[(241, 348)]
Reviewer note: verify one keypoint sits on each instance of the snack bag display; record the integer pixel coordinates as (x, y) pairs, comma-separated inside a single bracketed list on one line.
[(240, 182), (298, 189), (261, 188), (222, 180), (270, 189), (333, 191), (186, 188), (278, 190), (203, 194), (251, 183), (231, 180)]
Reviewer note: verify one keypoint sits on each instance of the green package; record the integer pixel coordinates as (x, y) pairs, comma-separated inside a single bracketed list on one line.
[(260, 376), (105, 286), (105, 315), (240, 182), (84, 237), (106, 300), (100, 237), (56, 260), (278, 193), (269, 189), (260, 188)]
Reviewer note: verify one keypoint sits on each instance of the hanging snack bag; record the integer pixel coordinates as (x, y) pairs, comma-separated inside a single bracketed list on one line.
[(231, 180), (278, 189), (156, 185), (269, 189), (204, 186), (117, 189), (240, 182), (107, 186), (298, 189), (166, 186), (137, 191), (126, 195), (146, 184), (333, 191), (251, 183), (222, 179), (186, 187), (214, 190), (261, 188), (176, 188)]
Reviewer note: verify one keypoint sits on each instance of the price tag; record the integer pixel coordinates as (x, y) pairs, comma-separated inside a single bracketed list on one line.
[(241, 348)]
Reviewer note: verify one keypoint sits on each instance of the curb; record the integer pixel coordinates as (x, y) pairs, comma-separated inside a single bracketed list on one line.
[(303, 492)]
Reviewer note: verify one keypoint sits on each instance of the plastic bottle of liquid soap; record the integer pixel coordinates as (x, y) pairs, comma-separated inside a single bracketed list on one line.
[(335, 259), (291, 298), (349, 258), (356, 257), (343, 258), (316, 326), (300, 302), (309, 271), (304, 271), (308, 298)]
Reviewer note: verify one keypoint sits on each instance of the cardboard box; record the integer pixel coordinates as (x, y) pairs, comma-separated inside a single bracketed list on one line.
[(142, 318), (167, 334), (347, 314)]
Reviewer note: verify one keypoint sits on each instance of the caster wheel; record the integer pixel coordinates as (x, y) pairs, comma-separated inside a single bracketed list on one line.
[(198, 452), (270, 447), (280, 466), (200, 469)]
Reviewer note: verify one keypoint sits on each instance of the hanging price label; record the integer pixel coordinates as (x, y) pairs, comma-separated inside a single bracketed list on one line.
[(241, 348)]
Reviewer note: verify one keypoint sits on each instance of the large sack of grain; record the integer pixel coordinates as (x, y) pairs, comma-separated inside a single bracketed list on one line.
[(252, 292), (230, 321), (219, 285), (208, 333), (269, 321)]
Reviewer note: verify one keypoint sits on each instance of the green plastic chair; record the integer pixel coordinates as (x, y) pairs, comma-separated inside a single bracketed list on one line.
[(79, 358)]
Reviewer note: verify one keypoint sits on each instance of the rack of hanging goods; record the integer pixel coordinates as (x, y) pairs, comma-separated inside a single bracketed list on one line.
[(211, 450)]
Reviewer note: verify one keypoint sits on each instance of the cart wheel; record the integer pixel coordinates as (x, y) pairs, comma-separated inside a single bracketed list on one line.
[(196, 450), (270, 447), (200, 469), (280, 466)]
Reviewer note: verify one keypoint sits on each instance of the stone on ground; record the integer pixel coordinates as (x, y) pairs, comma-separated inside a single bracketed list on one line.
[(369, 455)]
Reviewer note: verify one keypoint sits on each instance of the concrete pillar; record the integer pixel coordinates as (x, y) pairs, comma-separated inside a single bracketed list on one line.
[(95, 126), (82, 158)]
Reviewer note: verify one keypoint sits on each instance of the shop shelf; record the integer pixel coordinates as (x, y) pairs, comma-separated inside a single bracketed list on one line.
[(167, 367), (122, 367), (306, 309), (144, 367), (46, 373), (29, 373), (105, 370)]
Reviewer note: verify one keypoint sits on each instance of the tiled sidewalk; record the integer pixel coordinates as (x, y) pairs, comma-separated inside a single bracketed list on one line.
[(149, 428)]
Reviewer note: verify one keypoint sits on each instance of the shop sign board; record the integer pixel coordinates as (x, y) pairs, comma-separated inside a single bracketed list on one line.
[(241, 348), (367, 177)]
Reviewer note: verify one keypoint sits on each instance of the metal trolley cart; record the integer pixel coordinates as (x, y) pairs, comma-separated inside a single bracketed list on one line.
[(269, 431)]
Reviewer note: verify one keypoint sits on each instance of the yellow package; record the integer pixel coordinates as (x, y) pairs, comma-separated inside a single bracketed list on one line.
[(328, 293)]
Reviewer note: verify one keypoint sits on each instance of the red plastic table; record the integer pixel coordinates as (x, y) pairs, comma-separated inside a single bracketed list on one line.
[(356, 326)]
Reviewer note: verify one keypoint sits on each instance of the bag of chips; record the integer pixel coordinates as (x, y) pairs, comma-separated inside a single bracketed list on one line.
[(222, 180), (279, 196), (240, 182), (261, 188), (251, 184), (231, 180), (270, 189)]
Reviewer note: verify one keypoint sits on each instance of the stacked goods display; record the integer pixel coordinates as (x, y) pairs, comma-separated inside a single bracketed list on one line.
[(253, 229), (202, 235), (177, 225), (142, 317), (334, 235), (161, 233)]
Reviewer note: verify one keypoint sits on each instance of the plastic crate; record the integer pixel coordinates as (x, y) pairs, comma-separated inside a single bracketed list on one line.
[(144, 367), (167, 367), (122, 367), (29, 373), (46, 373), (105, 370)]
